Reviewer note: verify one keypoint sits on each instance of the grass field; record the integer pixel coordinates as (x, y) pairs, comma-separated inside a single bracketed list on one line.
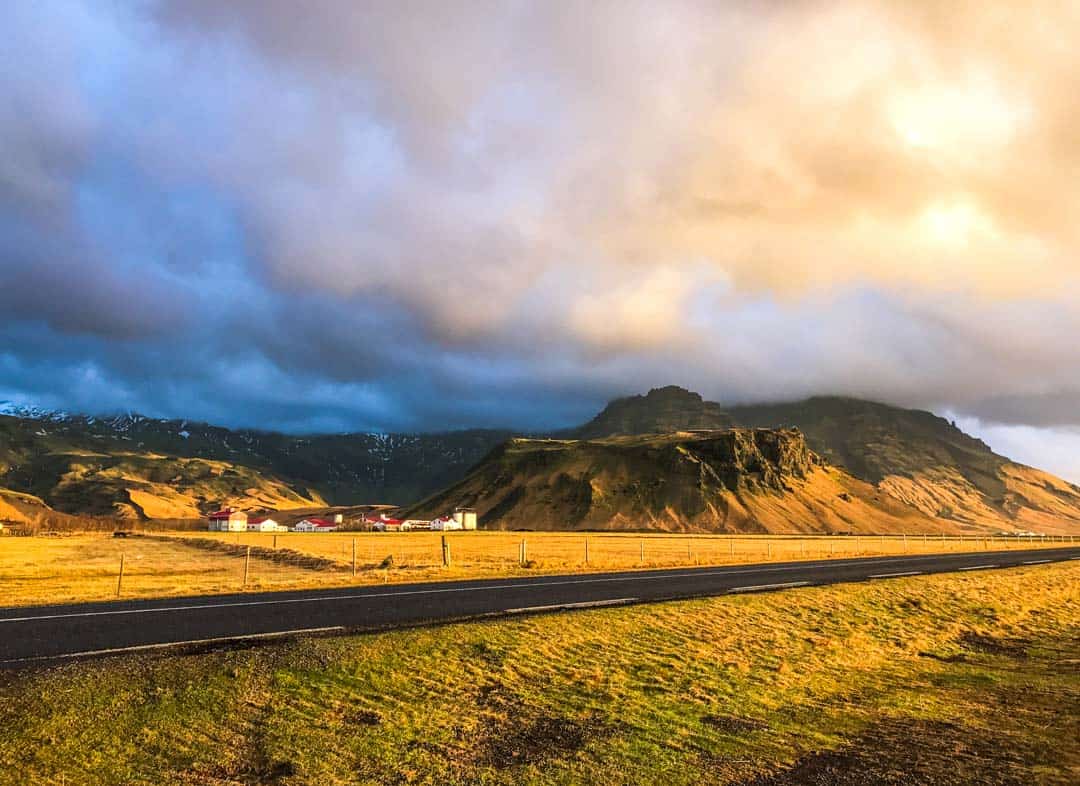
[(958, 679), (499, 551), (86, 567)]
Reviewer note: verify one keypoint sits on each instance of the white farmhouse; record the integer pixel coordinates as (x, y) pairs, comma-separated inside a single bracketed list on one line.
[(263, 525), (315, 525), (445, 524), (228, 520)]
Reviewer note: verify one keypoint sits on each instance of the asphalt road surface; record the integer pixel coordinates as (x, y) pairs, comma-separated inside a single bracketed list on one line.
[(43, 635)]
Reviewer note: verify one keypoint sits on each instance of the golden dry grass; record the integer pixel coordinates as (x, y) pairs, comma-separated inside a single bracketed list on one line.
[(85, 567), (498, 552), (934, 680)]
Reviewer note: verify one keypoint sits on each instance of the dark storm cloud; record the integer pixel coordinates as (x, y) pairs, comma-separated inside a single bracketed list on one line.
[(431, 215)]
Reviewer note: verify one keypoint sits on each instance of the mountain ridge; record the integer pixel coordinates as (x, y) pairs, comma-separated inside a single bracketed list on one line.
[(132, 465), (913, 455)]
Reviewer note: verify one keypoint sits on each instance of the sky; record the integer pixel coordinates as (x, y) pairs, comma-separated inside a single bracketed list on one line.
[(434, 215)]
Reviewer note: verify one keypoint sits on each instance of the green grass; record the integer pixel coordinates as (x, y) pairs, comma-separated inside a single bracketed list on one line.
[(945, 679)]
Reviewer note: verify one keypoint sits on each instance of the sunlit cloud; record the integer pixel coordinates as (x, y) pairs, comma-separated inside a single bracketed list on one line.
[(547, 204)]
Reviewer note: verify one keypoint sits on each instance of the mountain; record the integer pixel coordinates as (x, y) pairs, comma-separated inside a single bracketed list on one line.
[(660, 411), (133, 466), (914, 456), (735, 480)]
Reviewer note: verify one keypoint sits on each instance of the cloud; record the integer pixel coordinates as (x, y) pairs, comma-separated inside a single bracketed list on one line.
[(425, 215), (1038, 447)]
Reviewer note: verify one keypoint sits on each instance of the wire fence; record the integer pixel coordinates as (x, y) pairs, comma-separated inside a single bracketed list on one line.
[(98, 567), (616, 550)]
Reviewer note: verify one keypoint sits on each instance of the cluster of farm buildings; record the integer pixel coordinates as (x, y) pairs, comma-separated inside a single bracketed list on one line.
[(231, 520)]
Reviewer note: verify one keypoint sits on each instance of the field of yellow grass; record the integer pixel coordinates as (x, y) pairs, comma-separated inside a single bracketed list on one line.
[(500, 551), (936, 680), (86, 567)]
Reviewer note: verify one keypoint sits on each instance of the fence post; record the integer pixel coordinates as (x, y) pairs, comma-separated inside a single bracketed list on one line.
[(802, 547), (641, 551), (731, 547), (120, 577), (354, 557), (445, 553), (858, 545), (523, 553), (275, 541), (905, 543), (247, 564), (586, 550), (768, 549)]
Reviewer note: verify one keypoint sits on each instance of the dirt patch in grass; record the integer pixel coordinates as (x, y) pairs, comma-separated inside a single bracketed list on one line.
[(510, 742), (911, 753), (362, 718), (990, 645), (972, 642), (732, 724)]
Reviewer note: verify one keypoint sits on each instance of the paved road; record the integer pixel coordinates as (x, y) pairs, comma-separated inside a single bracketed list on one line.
[(43, 635)]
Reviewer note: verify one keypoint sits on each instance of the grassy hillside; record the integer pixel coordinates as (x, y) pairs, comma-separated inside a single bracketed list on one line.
[(926, 461), (939, 680), (17, 508), (135, 466), (738, 480)]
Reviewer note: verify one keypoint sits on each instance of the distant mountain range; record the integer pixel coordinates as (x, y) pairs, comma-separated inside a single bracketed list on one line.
[(133, 466), (904, 464)]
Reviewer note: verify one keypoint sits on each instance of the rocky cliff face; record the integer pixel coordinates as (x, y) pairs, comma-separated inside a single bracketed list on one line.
[(758, 459)]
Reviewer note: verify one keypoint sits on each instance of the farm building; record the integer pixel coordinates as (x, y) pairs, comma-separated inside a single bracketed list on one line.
[(264, 525), (228, 520), (386, 524), (445, 524), (315, 525), (466, 517)]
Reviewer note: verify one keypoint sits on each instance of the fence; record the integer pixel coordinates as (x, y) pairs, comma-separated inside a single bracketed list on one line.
[(97, 567), (420, 549)]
